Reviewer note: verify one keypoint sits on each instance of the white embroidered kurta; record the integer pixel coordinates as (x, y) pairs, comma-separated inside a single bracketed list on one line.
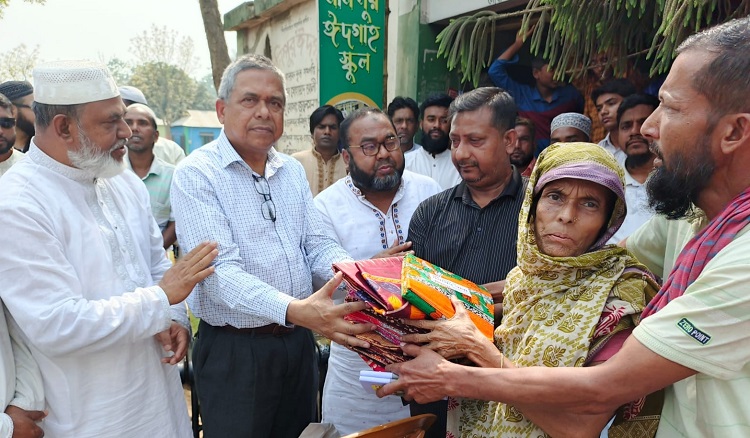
[(363, 231), (440, 167), (80, 260), (20, 381)]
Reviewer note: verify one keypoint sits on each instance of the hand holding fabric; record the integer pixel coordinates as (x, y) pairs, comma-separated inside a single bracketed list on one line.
[(175, 339), (451, 338), (194, 267), (319, 313), (25, 422)]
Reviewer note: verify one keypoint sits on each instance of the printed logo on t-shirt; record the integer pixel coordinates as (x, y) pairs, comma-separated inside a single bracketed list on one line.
[(693, 331)]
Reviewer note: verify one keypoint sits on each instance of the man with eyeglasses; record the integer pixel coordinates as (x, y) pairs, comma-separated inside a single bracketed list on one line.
[(255, 361), (21, 95), (8, 154), (367, 212), (434, 158)]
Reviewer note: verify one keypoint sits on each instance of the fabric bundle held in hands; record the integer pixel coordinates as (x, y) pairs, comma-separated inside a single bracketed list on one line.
[(410, 288)]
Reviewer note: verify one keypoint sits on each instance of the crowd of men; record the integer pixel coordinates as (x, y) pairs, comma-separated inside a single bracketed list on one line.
[(94, 320)]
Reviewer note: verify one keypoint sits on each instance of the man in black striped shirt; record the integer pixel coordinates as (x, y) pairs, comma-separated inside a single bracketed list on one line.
[(472, 228)]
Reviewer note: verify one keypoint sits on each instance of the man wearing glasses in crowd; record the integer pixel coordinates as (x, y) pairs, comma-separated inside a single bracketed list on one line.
[(8, 155), (255, 362)]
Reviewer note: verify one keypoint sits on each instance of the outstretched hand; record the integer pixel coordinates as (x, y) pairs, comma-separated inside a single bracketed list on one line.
[(194, 267), (421, 379), (25, 422), (319, 313)]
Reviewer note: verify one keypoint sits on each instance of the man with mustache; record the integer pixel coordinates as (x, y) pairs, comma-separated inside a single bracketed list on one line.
[(404, 113), (434, 158), (8, 154), (471, 229), (631, 115), (323, 164), (367, 212), (254, 357), (86, 279), (21, 95), (692, 338), (155, 173), (521, 153)]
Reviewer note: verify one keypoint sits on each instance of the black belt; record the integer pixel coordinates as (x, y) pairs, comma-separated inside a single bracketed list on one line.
[(270, 329)]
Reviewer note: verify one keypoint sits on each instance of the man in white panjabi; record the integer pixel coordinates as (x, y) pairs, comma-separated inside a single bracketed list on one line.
[(21, 393), (86, 279), (367, 212)]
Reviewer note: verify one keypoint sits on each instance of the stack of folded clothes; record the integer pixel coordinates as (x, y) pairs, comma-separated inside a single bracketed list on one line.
[(408, 287)]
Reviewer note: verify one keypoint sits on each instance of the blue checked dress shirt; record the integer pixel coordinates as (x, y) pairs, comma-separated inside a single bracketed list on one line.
[(262, 264)]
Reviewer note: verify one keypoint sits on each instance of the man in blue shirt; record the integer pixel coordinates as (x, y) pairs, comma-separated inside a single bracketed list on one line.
[(539, 103)]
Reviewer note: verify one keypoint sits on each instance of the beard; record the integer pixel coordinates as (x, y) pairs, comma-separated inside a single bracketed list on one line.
[(91, 159), (638, 160), (521, 163), (435, 145), (27, 127), (673, 192), (370, 182), (6, 144)]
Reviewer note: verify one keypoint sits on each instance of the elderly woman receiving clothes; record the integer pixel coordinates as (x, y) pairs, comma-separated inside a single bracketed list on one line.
[(571, 301)]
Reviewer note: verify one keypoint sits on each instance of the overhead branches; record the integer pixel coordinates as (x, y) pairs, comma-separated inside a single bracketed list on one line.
[(569, 33)]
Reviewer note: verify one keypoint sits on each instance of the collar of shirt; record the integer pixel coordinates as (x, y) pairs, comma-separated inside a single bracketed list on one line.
[(535, 95), (512, 189), (358, 193), (72, 173), (629, 180), (228, 155), (157, 166), (317, 155)]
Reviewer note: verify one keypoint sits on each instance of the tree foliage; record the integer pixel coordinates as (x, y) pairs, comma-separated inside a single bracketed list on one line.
[(569, 33), (4, 4), (169, 90), (166, 46), (17, 63)]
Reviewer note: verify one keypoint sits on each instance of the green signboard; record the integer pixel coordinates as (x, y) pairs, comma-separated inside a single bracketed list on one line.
[(352, 44)]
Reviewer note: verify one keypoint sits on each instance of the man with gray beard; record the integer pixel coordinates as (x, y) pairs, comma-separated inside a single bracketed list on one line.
[(367, 212), (86, 279)]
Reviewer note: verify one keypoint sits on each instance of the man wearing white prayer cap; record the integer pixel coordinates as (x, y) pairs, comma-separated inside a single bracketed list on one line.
[(570, 127), (85, 277)]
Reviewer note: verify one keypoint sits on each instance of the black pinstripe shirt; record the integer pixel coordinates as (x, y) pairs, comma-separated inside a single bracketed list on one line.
[(479, 244)]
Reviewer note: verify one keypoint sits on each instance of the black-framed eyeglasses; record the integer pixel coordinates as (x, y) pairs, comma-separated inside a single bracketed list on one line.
[(371, 148), (7, 122), (268, 207)]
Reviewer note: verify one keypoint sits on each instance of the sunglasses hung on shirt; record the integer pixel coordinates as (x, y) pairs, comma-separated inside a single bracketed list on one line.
[(7, 122)]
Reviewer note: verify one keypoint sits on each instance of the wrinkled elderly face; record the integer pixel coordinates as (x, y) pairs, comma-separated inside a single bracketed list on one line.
[(570, 216), (102, 133), (253, 114)]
